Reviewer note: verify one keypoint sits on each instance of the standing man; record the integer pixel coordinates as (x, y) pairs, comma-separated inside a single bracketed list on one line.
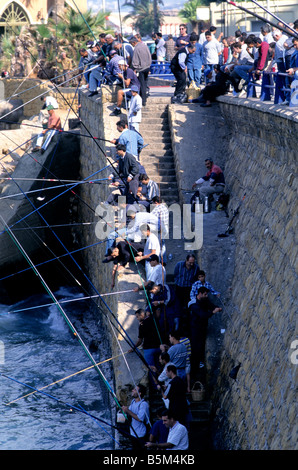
[(140, 63), (138, 410), (128, 169), (195, 61), (132, 140), (54, 125), (201, 309), (170, 48), (135, 109), (183, 39), (148, 337), (211, 51), (176, 394), (185, 274), (66, 67), (179, 67), (152, 247)]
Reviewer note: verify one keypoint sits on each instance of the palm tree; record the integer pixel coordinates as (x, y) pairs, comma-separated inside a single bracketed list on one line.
[(189, 12), (145, 14)]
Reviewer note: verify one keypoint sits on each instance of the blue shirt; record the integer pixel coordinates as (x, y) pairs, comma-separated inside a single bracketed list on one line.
[(184, 277), (132, 141), (141, 409)]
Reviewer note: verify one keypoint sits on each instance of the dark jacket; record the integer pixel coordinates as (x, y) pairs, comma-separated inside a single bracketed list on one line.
[(128, 166)]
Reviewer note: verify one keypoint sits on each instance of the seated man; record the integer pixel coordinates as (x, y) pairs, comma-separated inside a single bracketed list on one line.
[(212, 183), (112, 68), (177, 437), (54, 125), (151, 190), (127, 78)]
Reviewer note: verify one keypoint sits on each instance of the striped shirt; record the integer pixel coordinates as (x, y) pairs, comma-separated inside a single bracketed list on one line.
[(184, 277), (178, 436), (197, 285)]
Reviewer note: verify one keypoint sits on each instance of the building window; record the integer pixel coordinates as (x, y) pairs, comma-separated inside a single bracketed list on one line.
[(13, 16)]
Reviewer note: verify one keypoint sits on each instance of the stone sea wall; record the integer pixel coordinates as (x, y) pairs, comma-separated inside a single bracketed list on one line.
[(257, 410)]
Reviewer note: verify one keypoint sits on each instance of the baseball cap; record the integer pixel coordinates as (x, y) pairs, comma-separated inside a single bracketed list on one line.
[(153, 258), (134, 88), (50, 107)]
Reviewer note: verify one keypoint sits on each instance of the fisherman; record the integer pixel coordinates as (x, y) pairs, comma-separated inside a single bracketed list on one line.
[(138, 410), (54, 125), (132, 140)]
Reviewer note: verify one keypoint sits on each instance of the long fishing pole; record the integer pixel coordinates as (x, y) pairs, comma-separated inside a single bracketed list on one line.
[(260, 18), (77, 299), (275, 16), (130, 342), (74, 193), (71, 406), (33, 191), (58, 130), (64, 315)]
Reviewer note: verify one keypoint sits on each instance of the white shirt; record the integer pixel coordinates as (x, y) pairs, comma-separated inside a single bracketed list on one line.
[(152, 243), (135, 107), (178, 436), (157, 275), (210, 51), (142, 218)]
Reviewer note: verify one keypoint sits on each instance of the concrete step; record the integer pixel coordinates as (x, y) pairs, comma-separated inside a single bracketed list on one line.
[(154, 140), (157, 154)]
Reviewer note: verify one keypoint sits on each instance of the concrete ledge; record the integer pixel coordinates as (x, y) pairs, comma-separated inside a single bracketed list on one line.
[(264, 106)]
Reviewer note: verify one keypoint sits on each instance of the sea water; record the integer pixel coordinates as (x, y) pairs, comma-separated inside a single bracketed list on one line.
[(37, 349)]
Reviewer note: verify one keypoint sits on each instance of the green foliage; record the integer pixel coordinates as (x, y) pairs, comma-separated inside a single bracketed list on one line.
[(142, 14), (189, 11)]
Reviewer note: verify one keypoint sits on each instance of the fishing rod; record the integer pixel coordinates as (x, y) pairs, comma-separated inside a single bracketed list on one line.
[(130, 342), (77, 299), (260, 18), (58, 130), (49, 179), (38, 85), (64, 315), (276, 17), (70, 406), (33, 191), (76, 195)]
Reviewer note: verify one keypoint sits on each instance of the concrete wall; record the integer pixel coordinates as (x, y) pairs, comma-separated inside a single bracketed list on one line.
[(257, 411), (30, 90)]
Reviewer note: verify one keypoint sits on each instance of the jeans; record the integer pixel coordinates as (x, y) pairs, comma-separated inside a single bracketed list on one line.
[(194, 73), (48, 137), (95, 79), (151, 356), (242, 71), (112, 237)]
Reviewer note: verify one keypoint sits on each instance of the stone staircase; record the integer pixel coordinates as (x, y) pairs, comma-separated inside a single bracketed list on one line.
[(157, 157)]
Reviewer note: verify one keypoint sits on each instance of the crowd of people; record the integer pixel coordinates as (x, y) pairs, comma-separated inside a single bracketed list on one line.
[(224, 63), (172, 326)]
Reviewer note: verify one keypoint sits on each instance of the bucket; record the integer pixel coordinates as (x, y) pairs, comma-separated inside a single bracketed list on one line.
[(197, 391)]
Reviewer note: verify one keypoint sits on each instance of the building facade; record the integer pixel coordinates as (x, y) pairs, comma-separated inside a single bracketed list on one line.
[(23, 12)]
